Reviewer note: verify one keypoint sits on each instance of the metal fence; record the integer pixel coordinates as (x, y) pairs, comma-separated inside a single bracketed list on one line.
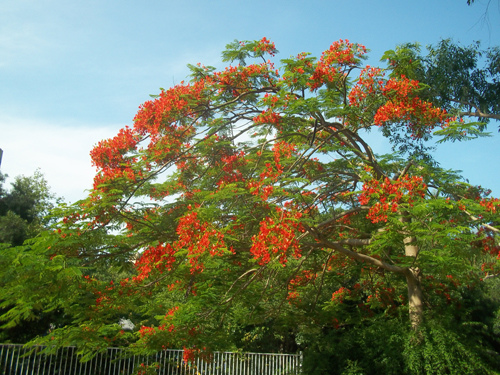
[(17, 360)]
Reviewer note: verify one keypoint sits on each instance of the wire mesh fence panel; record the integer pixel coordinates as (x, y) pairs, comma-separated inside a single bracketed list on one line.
[(17, 360)]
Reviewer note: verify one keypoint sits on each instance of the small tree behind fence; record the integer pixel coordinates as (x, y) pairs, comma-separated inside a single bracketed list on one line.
[(17, 360)]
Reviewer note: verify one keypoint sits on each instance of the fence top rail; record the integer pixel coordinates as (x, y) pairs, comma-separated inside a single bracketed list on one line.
[(167, 350)]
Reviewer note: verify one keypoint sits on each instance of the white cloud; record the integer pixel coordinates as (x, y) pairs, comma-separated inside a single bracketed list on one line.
[(61, 151)]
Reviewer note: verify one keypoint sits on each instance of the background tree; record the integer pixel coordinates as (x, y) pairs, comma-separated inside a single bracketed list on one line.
[(464, 80), (25, 208), (24, 212), (255, 210)]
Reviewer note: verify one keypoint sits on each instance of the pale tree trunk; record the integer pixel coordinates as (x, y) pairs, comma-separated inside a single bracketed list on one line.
[(415, 297), (413, 277)]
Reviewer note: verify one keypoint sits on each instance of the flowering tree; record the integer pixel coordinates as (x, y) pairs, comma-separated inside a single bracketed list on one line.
[(251, 195)]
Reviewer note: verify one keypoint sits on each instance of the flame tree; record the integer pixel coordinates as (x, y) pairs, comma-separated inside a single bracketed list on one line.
[(250, 197)]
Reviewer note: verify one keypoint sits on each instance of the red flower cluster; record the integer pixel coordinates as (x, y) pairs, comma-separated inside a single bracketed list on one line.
[(329, 67), (198, 239), (381, 297), (109, 153), (277, 237), (147, 331), (193, 235), (109, 157), (160, 257), (402, 106), (389, 194), (270, 100), (237, 79), (300, 280), (162, 120), (282, 149), (265, 45), (231, 165), (369, 83), (340, 294), (268, 116), (489, 243), (490, 204), (163, 115)]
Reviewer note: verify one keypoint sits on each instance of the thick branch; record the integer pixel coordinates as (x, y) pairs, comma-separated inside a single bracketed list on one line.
[(352, 254), (487, 226), (477, 112), (480, 114), (355, 242), (337, 217)]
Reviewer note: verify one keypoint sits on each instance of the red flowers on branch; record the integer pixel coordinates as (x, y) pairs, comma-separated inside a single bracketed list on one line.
[(389, 194), (277, 238), (404, 106)]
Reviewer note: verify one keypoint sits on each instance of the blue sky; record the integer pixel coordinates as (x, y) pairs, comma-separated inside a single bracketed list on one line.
[(73, 73)]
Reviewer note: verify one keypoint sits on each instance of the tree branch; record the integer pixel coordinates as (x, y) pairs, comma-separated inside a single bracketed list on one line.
[(352, 254)]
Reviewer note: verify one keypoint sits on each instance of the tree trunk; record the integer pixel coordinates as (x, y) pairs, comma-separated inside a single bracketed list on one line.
[(415, 297), (413, 276)]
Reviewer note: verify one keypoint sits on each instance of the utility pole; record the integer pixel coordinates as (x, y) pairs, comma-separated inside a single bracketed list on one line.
[(1, 153)]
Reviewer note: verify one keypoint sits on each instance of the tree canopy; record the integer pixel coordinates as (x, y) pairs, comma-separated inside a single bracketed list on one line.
[(246, 208)]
